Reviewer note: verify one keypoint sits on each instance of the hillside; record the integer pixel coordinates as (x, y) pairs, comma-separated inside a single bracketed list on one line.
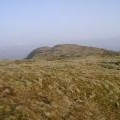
[(68, 51), (62, 89)]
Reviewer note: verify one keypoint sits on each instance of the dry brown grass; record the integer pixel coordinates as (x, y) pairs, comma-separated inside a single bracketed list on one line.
[(79, 89)]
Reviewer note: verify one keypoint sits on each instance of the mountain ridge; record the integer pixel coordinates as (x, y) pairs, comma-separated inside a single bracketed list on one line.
[(61, 51)]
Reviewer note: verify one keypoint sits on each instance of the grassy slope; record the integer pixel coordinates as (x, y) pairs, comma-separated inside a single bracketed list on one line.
[(79, 89), (68, 51)]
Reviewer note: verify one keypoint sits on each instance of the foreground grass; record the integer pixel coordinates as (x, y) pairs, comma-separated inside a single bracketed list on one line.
[(87, 89)]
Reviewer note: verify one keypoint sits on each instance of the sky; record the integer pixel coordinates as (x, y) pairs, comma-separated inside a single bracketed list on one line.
[(27, 24)]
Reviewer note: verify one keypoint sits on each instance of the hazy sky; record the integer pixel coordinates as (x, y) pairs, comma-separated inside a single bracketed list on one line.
[(27, 24)]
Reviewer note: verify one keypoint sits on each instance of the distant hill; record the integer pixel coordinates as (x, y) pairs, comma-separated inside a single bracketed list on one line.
[(68, 51)]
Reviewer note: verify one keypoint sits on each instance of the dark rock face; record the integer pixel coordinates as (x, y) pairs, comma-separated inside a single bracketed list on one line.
[(68, 51), (37, 51)]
